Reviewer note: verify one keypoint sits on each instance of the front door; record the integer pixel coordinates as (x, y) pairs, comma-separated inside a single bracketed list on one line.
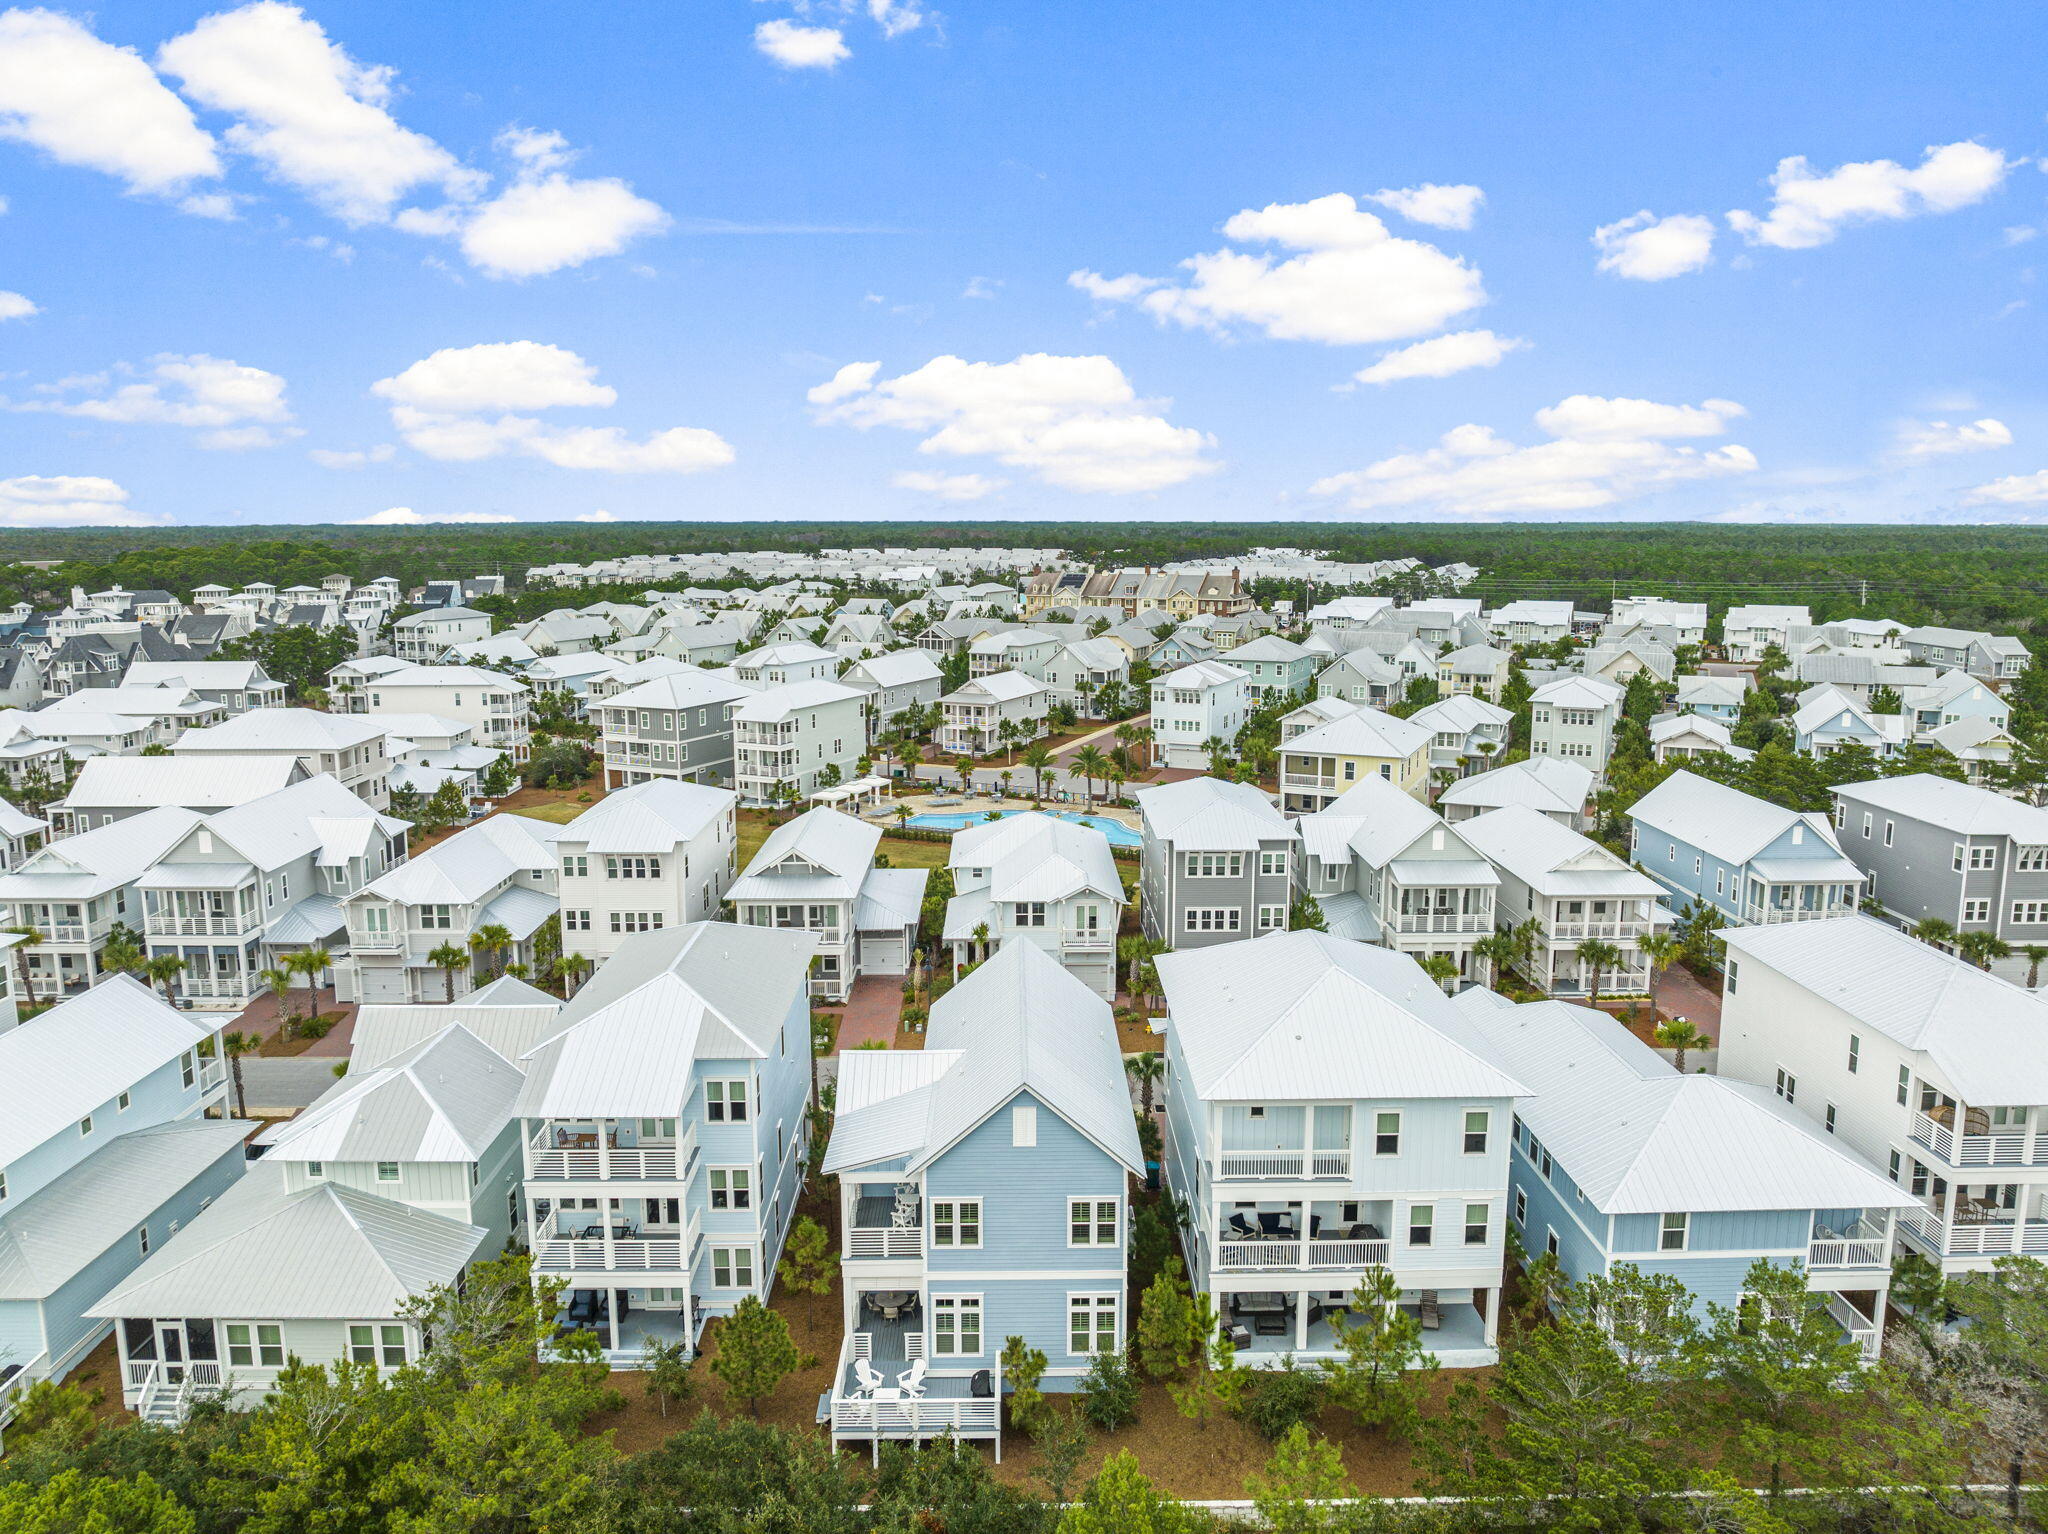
[(170, 1348)]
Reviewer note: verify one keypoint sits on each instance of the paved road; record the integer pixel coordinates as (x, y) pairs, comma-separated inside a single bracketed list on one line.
[(284, 1085)]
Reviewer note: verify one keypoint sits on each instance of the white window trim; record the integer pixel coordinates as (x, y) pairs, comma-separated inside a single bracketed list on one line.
[(980, 1221), (980, 1331), (1091, 1200), (1097, 1299)]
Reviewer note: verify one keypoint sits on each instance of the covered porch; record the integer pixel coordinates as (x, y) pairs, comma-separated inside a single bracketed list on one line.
[(884, 1387), (625, 1321), (1457, 1325)]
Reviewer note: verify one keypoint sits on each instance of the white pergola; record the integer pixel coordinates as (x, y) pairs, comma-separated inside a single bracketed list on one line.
[(869, 788)]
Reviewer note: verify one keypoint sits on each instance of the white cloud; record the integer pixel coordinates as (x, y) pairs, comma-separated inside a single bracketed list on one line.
[(1809, 209), (405, 516), (1442, 207), (596, 516), (443, 406), (1352, 283), (69, 500), (2013, 490), (1603, 451), (86, 102), (948, 487), (981, 287), (1917, 441), (233, 405), (1441, 356), (799, 47), (15, 307), (352, 458), (1074, 421), (541, 224), (895, 17), (1647, 248), (312, 116)]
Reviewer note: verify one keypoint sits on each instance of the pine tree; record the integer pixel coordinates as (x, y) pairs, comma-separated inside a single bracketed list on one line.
[(755, 1353)]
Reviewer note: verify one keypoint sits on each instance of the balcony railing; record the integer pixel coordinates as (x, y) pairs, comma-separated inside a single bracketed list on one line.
[(888, 1414), (199, 926), (549, 1160), (2006, 1149), (1765, 915), (1480, 922), (17, 1386), (1322, 1163), (1239, 1255), (1863, 1245), (1976, 1238), (376, 942), (1572, 931), (876, 1241), (61, 931), (1308, 780), (662, 1251), (1086, 942)]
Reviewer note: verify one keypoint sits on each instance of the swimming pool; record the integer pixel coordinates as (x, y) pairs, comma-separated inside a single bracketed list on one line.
[(1119, 834)]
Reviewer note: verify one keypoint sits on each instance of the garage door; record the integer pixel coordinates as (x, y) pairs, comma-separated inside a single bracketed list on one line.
[(882, 954), (1094, 973), (382, 983)]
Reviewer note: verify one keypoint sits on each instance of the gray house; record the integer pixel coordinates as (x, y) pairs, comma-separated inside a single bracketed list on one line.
[(1217, 864), (676, 727), (1933, 847)]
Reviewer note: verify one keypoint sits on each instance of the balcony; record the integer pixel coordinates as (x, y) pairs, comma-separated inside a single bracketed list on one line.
[(199, 926), (60, 931), (1862, 1245), (619, 1246), (1765, 915), (1237, 1256), (1976, 1237), (1086, 942), (554, 1154), (1479, 923), (1308, 780), (1862, 1330), (1301, 1164), (376, 942), (902, 1405), (1574, 931), (2008, 1148)]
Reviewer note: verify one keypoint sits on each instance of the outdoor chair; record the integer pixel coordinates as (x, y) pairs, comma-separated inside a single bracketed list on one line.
[(912, 1383), (868, 1375)]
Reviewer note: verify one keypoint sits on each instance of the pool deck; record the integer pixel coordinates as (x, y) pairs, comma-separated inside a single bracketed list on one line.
[(1120, 832)]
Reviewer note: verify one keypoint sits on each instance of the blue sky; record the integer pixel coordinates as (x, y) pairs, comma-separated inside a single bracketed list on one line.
[(864, 258)]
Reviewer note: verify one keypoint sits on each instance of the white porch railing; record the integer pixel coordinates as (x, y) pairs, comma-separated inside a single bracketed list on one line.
[(1307, 780), (1086, 942), (2007, 1149), (1575, 930), (1321, 1163), (1239, 1255), (556, 1251), (199, 926), (1862, 1329), (1861, 1246), (168, 1390), (857, 1414), (17, 1385), (1977, 1238), (550, 1162), (1764, 915), (1444, 921), (876, 1241)]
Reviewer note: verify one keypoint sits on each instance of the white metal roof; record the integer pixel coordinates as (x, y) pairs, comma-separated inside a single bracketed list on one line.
[(1306, 1015), (104, 858), (1019, 1023), (778, 703), (146, 782), (1638, 1138), (1460, 712), (471, 863), (282, 729), (897, 668), (1553, 859), (1958, 807), (1003, 686), (387, 1030), (1033, 857), (444, 1100), (827, 839), (1732, 825), (1211, 814), (1579, 692), (654, 816), (1366, 731), (1541, 782), (688, 688), (1985, 1035), (324, 1253), (890, 899), (1201, 674)]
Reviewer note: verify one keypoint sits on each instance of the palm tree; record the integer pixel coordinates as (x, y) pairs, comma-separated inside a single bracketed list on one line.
[(1114, 776), (1980, 948), (310, 962), (1678, 1036), (2035, 956), (1659, 951), (902, 813), (1595, 955), (1090, 763), (1218, 751), (1934, 930), (448, 959), (234, 1045), (163, 970), (122, 954), (1145, 1069), (31, 937), (570, 967), (491, 941), (1038, 757), (980, 935), (1006, 732), (1500, 951), (1441, 968), (965, 767)]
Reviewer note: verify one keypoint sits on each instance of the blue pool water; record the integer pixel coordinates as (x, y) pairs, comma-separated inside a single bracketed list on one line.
[(1119, 834)]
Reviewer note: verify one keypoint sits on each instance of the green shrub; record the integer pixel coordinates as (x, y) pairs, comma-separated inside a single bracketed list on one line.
[(1279, 1398), (1109, 1392)]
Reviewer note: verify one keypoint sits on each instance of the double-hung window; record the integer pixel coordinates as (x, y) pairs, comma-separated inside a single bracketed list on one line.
[(1855, 1053), (956, 1222), (376, 1344), (732, 1267), (1386, 1134), (261, 1345), (1477, 1124), (1477, 1218), (1421, 1224), (1091, 1323), (1091, 1221), (1215, 865), (1273, 863), (956, 1326), (732, 1188), (725, 1102), (577, 867), (1671, 1237), (435, 918), (1214, 919), (1788, 1085), (1027, 913)]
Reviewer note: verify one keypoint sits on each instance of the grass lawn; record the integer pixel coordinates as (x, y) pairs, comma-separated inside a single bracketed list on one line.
[(902, 851)]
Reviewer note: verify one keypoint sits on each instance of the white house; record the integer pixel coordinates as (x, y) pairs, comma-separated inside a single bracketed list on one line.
[(345, 746), (1033, 878), (427, 636), (496, 704), (1545, 784), (1193, 706), (973, 717), (1574, 718), (817, 873), (657, 854), (1746, 632)]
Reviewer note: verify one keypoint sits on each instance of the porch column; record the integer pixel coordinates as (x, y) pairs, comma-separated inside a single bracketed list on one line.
[(1301, 1313), (1491, 1312)]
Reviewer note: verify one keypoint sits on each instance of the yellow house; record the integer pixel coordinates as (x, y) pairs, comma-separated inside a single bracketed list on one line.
[(1316, 767)]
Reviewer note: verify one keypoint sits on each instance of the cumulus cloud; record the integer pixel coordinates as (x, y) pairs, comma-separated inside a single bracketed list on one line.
[(1440, 356), (234, 406), (1809, 208), (1075, 422), (799, 47), (1352, 282), (545, 222), (69, 500), (405, 516), (88, 103), (2013, 490), (352, 458), (15, 307), (1602, 451), (596, 516), (1918, 441), (457, 405), (307, 112), (948, 487), (1647, 248), (1441, 207)]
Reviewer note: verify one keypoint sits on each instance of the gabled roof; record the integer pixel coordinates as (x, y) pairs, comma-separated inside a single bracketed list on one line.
[(690, 688), (283, 729), (1983, 1033), (1732, 825), (1033, 857), (649, 817), (314, 816), (1638, 1138), (324, 1253), (1579, 692), (1269, 647), (451, 676), (1002, 686), (796, 652), (628, 1042), (147, 782), (1365, 731), (1672, 726), (48, 1239), (85, 1051), (1019, 1023), (896, 668), (838, 844), (1379, 821), (1460, 713), (1553, 859), (1958, 807), (1307, 1015), (510, 1023), (1212, 815), (1541, 782), (104, 858), (778, 703), (471, 863), (1202, 673), (447, 1099)]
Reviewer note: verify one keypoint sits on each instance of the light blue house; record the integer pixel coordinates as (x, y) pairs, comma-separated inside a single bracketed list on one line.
[(1827, 720), (114, 1135), (664, 1130), (1617, 1159), (983, 1192), (1278, 667), (1751, 860)]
